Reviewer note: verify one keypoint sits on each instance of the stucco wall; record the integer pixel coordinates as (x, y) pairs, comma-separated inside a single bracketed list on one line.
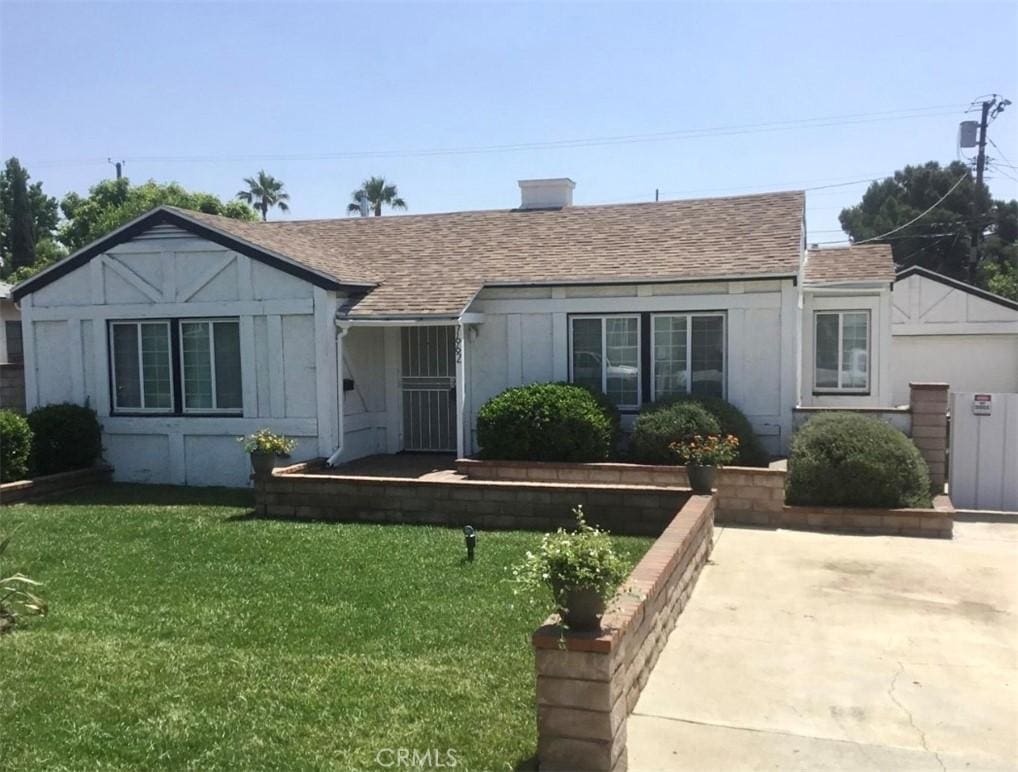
[(287, 334)]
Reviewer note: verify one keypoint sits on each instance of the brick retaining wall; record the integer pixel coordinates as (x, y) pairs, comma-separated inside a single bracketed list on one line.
[(25, 490), (627, 509), (588, 684)]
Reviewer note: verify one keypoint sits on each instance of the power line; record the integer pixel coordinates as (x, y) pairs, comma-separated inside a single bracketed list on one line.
[(920, 216), (664, 136)]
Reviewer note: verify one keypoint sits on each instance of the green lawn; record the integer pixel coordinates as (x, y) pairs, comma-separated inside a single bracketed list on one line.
[(183, 633)]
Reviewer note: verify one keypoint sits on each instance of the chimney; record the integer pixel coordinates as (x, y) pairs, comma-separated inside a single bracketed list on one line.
[(552, 193)]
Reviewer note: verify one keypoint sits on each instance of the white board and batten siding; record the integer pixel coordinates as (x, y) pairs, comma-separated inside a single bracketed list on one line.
[(984, 451), (943, 333), (525, 339), (287, 331)]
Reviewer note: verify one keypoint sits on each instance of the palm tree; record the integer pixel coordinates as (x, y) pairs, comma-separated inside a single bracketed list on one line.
[(376, 193), (265, 192)]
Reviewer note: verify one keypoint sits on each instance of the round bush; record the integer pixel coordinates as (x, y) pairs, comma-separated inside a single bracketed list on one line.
[(847, 459), (15, 446), (66, 437), (544, 422), (609, 409), (657, 429), (731, 420)]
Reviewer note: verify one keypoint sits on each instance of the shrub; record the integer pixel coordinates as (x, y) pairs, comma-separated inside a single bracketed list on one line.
[(846, 459), (544, 422), (655, 431), (15, 446), (268, 442), (732, 421), (609, 409), (66, 437)]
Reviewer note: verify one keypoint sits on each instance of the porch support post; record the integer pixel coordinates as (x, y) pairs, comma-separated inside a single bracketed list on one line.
[(341, 331), (461, 388)]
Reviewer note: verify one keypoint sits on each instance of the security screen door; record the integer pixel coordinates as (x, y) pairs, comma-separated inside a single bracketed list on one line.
[(429, 388)]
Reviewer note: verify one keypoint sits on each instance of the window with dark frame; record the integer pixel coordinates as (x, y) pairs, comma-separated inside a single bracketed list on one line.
[(184, 366), (15, 345), (685, 353)]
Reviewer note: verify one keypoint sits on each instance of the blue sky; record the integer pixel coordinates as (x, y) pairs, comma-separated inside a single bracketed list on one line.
[(208, 93)]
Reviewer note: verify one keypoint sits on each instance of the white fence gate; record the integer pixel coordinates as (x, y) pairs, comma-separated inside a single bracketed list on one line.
[(984, 451)]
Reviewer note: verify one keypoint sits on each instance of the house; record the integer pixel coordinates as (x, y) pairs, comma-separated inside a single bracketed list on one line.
[(378, 335), (12, 378), (946, 330)]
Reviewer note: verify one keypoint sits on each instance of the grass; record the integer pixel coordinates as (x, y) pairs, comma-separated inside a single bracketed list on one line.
[(184, 634)]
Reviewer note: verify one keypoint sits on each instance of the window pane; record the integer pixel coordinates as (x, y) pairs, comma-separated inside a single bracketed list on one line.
[(15, 347), (669, 356), (194, 345), (622, 349), (125, 365), (587, 352), (854, 350), (708, 355), (155, 352), (826, 351), (228, 388)]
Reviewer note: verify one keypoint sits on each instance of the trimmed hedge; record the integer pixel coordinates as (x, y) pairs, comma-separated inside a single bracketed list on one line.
[(656, 429), (15, 446), (847, 459), (732, 421), (67, 437), (544, 422)]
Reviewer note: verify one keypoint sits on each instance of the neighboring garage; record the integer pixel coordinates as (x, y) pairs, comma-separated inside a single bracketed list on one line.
[(948, 331)]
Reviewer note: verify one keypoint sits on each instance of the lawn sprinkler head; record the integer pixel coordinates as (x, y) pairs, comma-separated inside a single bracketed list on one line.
[(470, 537)]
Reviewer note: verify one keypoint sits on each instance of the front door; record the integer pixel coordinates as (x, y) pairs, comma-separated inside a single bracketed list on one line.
[(429, 388)]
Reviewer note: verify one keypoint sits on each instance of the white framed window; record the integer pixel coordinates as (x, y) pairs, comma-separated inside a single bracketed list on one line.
[(210, 366), (605, 355), (689, 354), (142, 369), (841, 359)]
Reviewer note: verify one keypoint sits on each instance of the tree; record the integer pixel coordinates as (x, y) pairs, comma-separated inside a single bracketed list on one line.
[(27, 216), (940, 240), (264, 192), (111, 203), (376, 193)]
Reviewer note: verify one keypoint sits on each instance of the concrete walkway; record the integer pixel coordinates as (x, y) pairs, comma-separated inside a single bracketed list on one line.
[(803, 651)]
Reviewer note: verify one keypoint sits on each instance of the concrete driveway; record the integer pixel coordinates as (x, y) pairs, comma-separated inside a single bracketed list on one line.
[(822, 652)]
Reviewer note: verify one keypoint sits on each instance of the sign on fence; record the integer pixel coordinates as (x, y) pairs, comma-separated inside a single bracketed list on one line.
[(984, 451)]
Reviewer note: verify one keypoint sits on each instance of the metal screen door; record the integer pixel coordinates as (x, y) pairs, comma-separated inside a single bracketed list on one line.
[(429, 388)]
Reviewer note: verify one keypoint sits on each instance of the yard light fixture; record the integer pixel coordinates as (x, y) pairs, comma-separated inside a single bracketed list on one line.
[(470, 537)]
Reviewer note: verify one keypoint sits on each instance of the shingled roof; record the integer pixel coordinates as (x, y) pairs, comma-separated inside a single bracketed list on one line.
[(435, 264), (865, 262)]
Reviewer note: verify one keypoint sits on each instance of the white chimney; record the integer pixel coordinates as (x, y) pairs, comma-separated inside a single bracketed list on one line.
[(552, 193)]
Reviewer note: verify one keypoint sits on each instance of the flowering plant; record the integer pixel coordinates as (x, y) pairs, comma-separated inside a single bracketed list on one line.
[(266, 441), (707, 450), (583, 558)]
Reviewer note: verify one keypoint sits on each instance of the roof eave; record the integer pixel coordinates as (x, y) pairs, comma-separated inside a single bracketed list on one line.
[(165, 215)]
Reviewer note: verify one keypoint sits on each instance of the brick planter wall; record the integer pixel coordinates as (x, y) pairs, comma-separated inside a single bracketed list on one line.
[(25, 490), (636, 509), (599, 473), (588, 684)]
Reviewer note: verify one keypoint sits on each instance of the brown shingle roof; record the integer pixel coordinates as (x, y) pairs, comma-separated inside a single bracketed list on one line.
[(435, 264), (866, 262)]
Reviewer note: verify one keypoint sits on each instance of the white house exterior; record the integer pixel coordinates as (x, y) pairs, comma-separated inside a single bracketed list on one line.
[(946, 330), (379, 335)]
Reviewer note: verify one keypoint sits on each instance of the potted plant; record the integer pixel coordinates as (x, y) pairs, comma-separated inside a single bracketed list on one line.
[(703, 455), (580, 568), (264, 446)]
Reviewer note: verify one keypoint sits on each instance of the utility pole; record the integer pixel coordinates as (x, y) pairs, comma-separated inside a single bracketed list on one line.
[(118, 165), (989, 109)]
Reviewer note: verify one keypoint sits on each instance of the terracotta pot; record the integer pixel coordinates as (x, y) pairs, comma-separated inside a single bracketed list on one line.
[(582, 607), (262, 464), (701, 478)]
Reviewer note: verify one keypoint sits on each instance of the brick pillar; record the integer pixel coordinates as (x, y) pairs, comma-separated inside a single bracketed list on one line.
[(929, 427)]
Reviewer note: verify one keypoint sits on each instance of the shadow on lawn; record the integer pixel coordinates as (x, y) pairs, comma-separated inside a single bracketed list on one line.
[(137, 495)]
